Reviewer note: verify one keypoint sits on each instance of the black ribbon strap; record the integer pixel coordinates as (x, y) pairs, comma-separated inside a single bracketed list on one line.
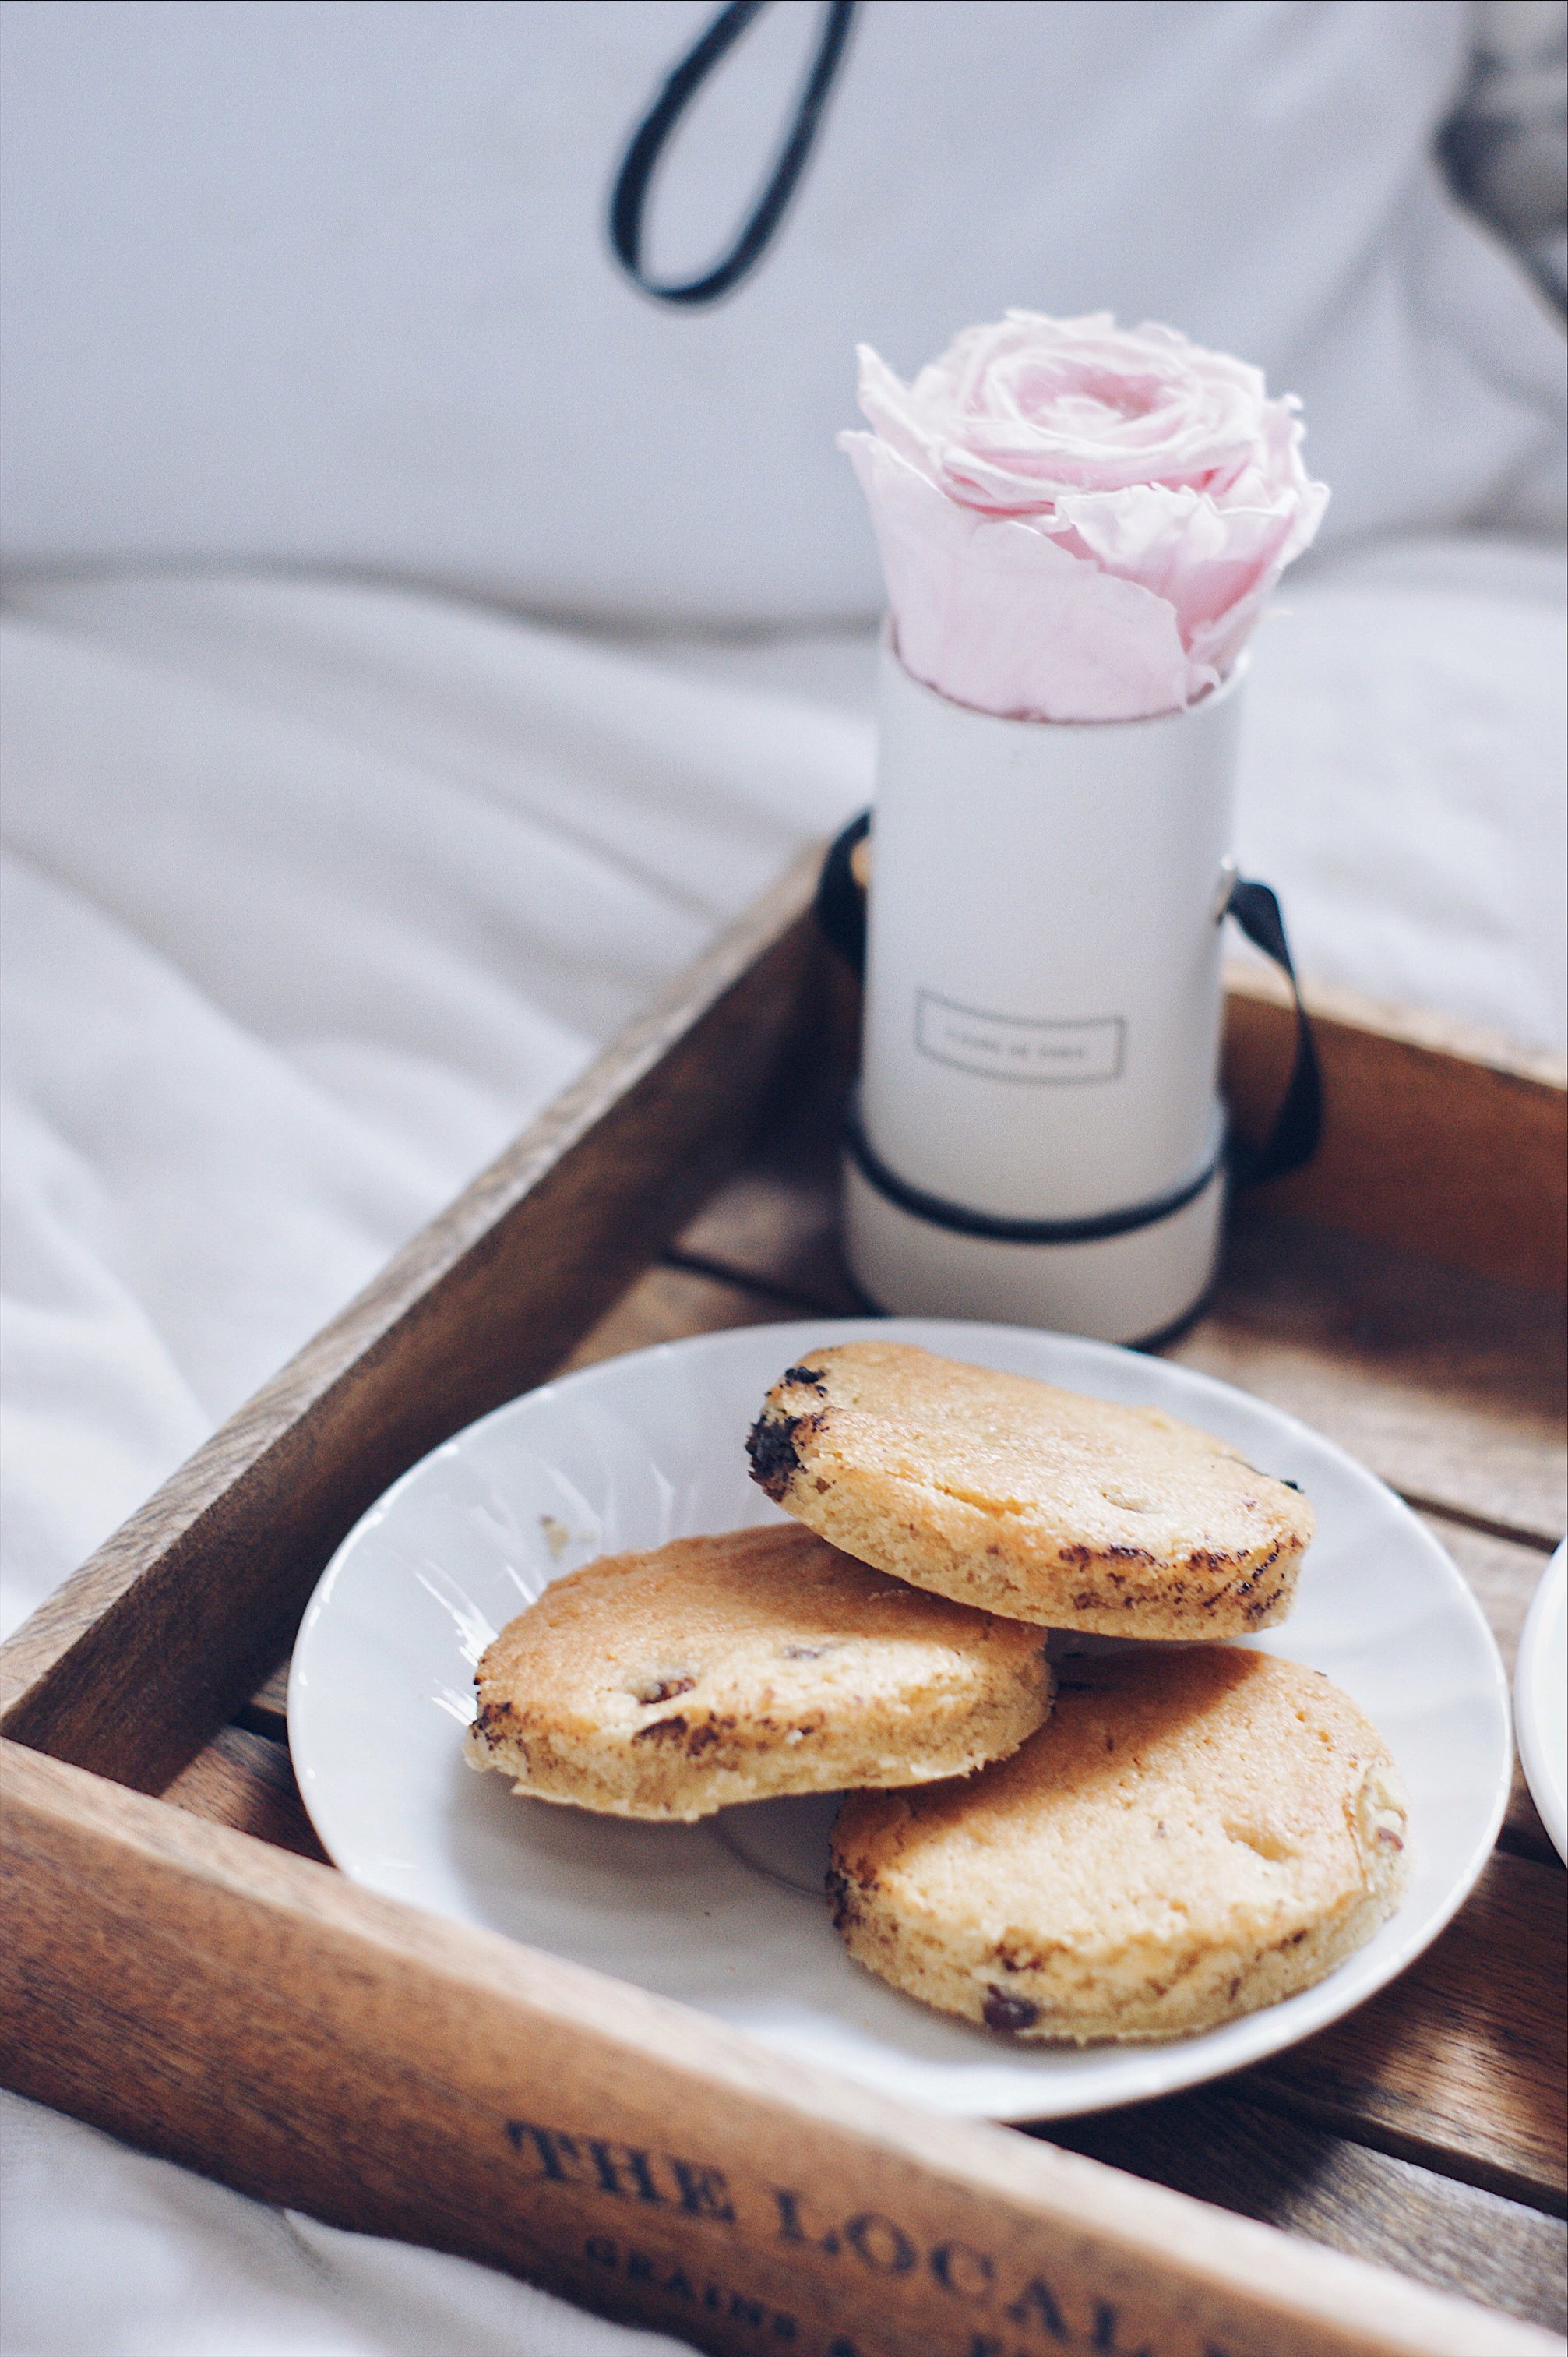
[(1297, 1126), (1092, 1229), (841, 902), (629, 197)]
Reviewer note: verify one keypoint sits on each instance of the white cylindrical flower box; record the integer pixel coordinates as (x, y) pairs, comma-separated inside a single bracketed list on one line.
[(1040, 1136)]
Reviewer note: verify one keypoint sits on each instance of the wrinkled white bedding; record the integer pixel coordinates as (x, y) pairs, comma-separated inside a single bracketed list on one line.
[(314, 895)]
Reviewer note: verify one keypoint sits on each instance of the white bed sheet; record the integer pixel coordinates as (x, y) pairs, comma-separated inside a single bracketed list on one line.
[(312, 895)]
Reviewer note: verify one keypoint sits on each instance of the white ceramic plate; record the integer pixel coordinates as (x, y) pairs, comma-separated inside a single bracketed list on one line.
[(1540, 1700), (727, 1916)]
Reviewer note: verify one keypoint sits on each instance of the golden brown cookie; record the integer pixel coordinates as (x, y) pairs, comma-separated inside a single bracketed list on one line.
[(714, 1670), (1195, 1834), (1005, 1492)]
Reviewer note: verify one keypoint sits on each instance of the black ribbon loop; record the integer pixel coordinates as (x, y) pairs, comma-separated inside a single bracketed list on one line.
[(629, 197), (841, 902), (1298, 1124)]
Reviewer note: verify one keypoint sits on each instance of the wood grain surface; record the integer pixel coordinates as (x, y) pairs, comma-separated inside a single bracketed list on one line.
[(228, 2004), (245, 1781), (199, 1595), (1223, 2146), (1460, 2063), (1449, 1387), (266, 1713), (1429, 1129)]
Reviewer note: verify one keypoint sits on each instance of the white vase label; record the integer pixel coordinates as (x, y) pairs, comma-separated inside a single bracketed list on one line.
[(1011, 1047)]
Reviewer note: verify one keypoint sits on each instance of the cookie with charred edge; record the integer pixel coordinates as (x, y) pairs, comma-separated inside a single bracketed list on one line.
[(1007, 1493), (717, 1670), (1193, 1834)]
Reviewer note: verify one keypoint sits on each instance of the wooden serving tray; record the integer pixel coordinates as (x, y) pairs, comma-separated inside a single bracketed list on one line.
[(183, 1967)]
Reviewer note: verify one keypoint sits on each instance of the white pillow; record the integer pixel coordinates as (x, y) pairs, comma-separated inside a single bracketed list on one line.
[(331, 283)]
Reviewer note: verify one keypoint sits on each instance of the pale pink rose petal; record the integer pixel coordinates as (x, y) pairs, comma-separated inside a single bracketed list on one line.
[(1181, 546), (886, 402), (1012, 412), (1159, 491), (1218, 642), (994, 614)]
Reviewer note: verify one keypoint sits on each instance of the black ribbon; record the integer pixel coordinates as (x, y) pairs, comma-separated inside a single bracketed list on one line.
[(629, 197), (841, 902), (1297, 1126), (1089, 1230)]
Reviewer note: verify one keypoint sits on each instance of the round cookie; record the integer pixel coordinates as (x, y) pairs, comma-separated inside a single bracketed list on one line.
[(1193, 1834), (715, 1670), (1007, 1493)]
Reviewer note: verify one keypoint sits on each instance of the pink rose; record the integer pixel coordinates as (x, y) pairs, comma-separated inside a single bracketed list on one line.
[(1078, 520)]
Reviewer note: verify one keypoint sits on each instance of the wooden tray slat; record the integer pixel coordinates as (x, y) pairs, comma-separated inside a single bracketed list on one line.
[(266, 1713), (1449, 1387), (1222, 2145), (402, 2075), (1460, 2062), (246, 1782), (1415, 1109)]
